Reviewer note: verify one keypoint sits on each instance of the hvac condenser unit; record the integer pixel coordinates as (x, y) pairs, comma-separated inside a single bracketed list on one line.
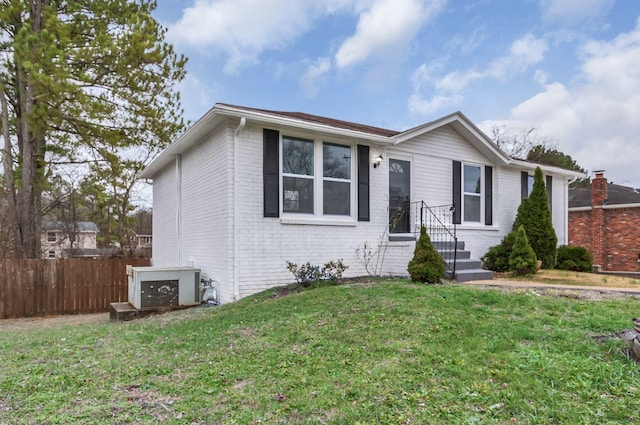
[(163, 286)]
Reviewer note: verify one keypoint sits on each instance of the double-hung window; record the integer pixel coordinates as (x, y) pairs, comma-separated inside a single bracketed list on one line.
[(472, 192), (336, 179), (297, 175), (316, 177)]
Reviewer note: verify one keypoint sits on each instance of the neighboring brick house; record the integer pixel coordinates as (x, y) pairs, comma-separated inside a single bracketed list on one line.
[(605, 219), (62, 240)]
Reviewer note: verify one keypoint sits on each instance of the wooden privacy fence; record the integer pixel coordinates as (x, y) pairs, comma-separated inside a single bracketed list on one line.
[(70, 286)]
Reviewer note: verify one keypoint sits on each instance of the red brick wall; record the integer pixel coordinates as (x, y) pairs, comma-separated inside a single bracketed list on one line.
[(619, 237), (580, 229), (622, 239)]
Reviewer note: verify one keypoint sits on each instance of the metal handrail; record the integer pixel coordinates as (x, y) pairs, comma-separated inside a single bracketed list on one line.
[(438, 220)]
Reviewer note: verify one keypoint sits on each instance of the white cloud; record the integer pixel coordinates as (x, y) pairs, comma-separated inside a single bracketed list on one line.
[(314, 75), (242, 28), (386, 25), (573, 11), (200, 94), (596, 119), (523, 53), (419, 105)]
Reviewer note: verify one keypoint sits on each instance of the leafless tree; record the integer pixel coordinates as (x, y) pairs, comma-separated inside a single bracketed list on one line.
[(517, 142)]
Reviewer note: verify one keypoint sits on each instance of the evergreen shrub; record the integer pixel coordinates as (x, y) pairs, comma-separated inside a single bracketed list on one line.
[(426, 265), (522, 260), (574, 258), (497, 257)]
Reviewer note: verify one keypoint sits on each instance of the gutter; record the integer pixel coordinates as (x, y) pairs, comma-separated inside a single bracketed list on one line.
[(236, 208)]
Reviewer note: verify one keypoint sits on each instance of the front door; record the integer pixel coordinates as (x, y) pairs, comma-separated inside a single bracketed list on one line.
[(399, 196)]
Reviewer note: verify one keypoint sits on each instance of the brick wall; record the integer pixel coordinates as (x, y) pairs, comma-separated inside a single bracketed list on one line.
[(610, 233), (622, 239)]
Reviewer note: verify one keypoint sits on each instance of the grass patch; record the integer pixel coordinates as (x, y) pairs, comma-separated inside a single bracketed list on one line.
[(389, 352)]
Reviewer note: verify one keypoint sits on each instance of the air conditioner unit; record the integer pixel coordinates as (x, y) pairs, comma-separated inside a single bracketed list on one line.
[(163, 286)]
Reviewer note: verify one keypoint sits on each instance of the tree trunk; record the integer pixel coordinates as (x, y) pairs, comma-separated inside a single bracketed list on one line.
[(12, 218)]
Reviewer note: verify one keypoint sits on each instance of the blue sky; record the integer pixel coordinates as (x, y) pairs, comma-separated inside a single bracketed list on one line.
[(569, 68)]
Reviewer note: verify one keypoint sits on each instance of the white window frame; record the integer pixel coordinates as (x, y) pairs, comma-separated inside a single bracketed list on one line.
[(319, 179), (50, 238), (530, 180), (480, 195)]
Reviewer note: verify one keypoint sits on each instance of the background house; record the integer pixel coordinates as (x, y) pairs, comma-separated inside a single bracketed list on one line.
[(244, 190), (62, 240), (605, 219)]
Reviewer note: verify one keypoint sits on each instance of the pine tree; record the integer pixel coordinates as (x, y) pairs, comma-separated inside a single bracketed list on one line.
[(81, 82), (426, 265), (535, 216), (522, 260)]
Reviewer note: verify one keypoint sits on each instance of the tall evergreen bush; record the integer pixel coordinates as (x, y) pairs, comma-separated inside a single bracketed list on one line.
[(426, 265), (535, 216)]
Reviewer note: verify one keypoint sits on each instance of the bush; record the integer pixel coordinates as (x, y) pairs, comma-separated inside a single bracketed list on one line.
[(522, 260), (535, 216), (574, 258), (308, 274), (426, 265), (497, 257)]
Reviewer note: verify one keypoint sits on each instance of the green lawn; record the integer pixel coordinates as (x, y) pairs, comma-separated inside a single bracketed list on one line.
[(384, 353)]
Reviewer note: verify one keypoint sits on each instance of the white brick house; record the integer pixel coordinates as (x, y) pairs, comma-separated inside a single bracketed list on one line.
[(243, 190)]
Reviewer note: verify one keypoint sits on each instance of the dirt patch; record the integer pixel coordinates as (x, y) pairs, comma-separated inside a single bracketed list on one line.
[(52, 321), (578, 294), (153, 404)]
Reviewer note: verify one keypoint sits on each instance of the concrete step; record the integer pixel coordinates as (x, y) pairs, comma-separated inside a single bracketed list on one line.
[(460, 254), (447, 245), (473, 274), (465, 264)]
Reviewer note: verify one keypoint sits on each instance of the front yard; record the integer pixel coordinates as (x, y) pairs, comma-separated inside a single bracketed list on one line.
[(363, 352)]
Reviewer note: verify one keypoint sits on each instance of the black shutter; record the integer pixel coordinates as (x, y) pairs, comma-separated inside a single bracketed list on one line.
[(488, 195), (363, 183), (457, 192), (550, 192), (524, 185), (270, 171)]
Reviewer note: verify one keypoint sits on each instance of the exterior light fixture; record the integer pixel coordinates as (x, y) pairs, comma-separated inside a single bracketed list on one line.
[(377, 160)]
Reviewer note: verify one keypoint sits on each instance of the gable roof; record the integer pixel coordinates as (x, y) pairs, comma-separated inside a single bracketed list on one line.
[(332, 122), (616, 195), (330, 126)]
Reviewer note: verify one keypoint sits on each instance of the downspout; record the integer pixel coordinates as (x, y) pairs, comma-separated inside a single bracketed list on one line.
[(236, 210), (566, 208), (179, 206)]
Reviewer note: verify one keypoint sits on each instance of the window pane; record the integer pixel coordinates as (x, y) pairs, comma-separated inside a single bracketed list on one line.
[(297, 156), (471, 179), (337, 198), (471, 208), (529, 185), (399, 196), (336, 161), (297, 195)]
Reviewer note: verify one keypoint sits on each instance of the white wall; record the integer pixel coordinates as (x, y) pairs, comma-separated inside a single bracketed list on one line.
[(165, 235), (204, 225), (206, 208)]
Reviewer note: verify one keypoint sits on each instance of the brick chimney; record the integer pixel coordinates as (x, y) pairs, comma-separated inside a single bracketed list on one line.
[(599, 194), (599, 189)]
